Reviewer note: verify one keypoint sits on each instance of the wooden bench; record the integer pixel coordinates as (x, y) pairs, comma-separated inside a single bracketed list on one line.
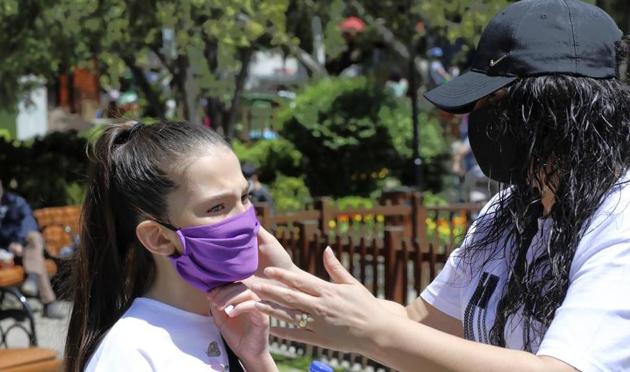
[(29, 360), (10, 279), (58, 225)]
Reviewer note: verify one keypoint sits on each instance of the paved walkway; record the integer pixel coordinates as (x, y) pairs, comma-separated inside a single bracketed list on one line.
[(51, 333)]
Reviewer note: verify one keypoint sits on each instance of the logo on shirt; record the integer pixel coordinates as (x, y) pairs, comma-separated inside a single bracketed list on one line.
[(475, 314), (213, 350)]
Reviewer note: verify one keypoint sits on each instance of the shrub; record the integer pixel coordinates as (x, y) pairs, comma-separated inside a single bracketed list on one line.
[(289, 194), (353, 134), (47, 171), (271, 157)]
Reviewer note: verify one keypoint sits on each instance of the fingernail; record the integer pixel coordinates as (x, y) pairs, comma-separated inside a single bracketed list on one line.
[(270, 271), (329, 250), (229, 309)]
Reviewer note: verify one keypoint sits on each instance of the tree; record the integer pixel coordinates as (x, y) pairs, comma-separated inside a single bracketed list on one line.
[(213, 43)]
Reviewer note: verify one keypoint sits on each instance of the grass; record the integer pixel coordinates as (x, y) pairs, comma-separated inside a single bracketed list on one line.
[(294, 364), (289, 364)]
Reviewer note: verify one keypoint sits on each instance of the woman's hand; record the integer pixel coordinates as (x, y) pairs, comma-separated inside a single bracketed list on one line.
[(342, 315), (244, 329), (272, 253)]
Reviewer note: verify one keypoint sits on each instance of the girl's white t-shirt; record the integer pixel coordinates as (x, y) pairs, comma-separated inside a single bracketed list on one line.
[(154, 336), (591, 329)]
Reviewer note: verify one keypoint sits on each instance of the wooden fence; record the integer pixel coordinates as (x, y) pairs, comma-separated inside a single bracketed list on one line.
[(395, 248)]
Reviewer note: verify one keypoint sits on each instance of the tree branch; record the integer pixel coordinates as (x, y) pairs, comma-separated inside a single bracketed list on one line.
[(246, 55), (388, 36), (306, 59), (162, 59), (299, 53), (153, 98)]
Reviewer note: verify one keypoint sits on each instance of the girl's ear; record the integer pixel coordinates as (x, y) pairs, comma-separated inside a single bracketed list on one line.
[(157, 239)]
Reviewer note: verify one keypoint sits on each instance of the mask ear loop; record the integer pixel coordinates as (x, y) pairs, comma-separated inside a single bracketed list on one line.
[(172, 228)]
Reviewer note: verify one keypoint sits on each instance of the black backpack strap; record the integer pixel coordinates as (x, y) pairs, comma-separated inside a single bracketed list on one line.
[(235, 364)]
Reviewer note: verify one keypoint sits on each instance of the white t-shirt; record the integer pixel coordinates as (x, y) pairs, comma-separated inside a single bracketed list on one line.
[(591, 329), (153, 336)]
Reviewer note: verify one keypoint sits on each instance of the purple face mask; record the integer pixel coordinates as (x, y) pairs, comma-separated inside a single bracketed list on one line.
[(220, 253)]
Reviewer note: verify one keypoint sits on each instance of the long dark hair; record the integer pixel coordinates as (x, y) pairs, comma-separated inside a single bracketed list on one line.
[(128, 182), (578, 133)]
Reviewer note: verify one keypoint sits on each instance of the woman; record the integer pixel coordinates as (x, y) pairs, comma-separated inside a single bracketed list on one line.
[(541, 281), (166, 218)]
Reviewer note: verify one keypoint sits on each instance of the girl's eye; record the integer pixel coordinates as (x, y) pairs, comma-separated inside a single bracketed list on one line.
[(216, 208)]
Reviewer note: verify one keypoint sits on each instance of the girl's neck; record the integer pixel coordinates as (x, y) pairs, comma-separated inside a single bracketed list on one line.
[(169, 288)]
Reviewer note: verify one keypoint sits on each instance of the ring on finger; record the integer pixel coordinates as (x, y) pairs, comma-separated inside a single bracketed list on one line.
[(303, 320)]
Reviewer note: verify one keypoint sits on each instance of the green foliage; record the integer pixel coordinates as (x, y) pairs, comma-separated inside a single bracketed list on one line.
[(75, 193), (354, 202), (48, 37), (289, 194), (47, 171), (460, 19), (433, 199), (270, 157), (352, 134)]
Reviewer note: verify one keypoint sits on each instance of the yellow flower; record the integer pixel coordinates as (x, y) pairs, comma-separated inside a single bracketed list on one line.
[(460, 220), (332, 224), (380, 218), (357, 218), (444, 230)]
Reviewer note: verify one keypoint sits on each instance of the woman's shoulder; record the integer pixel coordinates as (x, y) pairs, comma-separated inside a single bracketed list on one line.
[(126, 342), (608, 233), (136, 336)]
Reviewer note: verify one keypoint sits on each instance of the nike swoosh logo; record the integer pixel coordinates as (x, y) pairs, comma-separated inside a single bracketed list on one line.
[(494, 63)]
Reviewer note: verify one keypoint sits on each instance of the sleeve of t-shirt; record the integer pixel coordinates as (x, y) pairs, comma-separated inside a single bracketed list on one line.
[(445, 292), (591, 329)]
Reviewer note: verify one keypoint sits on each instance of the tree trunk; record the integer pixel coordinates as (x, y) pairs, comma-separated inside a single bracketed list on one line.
[(216, 112), (178, 85), (191, 97), (155, 105), (246, 56)]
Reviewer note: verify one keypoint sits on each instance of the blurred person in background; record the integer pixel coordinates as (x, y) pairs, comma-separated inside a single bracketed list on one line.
[(19, 234), (258, 191)]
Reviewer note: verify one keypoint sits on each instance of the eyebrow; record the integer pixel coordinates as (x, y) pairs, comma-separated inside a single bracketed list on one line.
[(246, 189)]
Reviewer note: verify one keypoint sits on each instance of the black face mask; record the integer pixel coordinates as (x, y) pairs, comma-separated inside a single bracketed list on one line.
[(499, 153)]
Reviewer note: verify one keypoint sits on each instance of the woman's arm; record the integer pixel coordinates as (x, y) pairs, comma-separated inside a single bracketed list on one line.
[(345, 316), (410, 346), (422, 312)]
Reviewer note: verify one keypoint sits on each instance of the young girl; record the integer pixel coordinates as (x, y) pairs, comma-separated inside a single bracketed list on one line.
[(166, 219)]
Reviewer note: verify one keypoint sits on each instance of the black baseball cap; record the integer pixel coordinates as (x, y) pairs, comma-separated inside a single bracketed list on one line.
[(532, 38)]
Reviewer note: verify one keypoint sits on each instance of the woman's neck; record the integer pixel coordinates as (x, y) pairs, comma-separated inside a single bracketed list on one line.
[(548, 200), (168, 287)]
